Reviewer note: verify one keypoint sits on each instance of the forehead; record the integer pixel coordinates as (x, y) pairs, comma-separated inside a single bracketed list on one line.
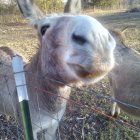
[(53, 20), (75, 21)]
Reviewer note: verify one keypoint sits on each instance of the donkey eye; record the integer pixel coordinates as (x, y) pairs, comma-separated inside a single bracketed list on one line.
[(44, 28), (79, 39)]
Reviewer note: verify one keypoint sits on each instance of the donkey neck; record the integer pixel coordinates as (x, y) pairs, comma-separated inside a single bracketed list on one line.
[(50, 95)]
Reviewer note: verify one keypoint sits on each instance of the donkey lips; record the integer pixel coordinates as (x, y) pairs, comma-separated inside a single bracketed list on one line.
[(84, 73)]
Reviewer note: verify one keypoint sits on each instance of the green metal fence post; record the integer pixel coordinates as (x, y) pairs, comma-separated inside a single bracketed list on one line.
[(20, 81)]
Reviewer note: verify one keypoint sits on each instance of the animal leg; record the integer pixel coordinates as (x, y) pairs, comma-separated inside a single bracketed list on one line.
[(115, 110), (50, 133)]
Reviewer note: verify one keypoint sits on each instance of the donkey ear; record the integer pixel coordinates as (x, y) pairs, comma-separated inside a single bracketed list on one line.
[(30, 11), (73, 6)]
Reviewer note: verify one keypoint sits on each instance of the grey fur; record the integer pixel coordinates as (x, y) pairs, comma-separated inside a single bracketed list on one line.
[(72, 51), (125, 78), (73, 6)]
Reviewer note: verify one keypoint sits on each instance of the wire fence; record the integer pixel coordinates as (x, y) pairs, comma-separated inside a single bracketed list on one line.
[(86, 118), (87, 115), (10, 126)]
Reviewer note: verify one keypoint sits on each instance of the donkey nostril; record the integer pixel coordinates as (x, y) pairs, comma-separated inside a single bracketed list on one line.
[(79, 39), (44, 28)]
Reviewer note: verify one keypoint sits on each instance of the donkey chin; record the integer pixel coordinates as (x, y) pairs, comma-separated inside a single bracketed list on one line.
[(92, 74)]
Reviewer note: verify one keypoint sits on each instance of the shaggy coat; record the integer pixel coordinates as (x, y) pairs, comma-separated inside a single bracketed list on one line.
[(73, 49), (125, 78)]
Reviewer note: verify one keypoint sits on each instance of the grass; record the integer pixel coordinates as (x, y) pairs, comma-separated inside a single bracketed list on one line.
[(97, 126), (15, 34)]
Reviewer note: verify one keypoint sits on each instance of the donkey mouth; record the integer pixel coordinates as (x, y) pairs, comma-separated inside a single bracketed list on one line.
[(86, 73)]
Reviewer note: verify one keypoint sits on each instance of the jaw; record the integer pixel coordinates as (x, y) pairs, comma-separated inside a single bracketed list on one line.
[(91, 75), (91, 69)]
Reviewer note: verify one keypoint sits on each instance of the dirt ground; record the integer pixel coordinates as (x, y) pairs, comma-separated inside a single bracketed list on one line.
[(129, 23), (82, 123)]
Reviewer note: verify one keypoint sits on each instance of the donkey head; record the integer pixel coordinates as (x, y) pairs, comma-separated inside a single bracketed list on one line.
[(73, 47)]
